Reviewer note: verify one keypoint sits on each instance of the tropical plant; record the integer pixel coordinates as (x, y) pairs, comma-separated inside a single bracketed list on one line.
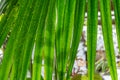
[(51, 30)]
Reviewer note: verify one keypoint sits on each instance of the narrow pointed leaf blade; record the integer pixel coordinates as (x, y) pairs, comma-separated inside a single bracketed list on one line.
[(77, 31), (92, 36), (107, 35), (59, 38), (117, 19), (39, 43), (49, 40)]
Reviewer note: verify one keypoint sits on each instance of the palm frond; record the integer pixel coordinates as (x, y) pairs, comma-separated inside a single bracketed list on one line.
[(117, 19), (8, 20), (92, 36), (107, 34), (49, 40), (77, 31), (59, 38), (21, 41), (51, 30), (39, 43), (7, 59)]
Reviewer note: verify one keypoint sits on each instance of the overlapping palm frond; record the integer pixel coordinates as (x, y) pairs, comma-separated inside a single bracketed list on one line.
[(51, 31)]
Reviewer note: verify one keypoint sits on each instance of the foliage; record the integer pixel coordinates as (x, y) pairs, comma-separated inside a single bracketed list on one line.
[(51, 30)]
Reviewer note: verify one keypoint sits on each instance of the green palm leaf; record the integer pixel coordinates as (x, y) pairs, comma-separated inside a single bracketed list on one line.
[(9, 18), (49, 40), (59, 38), (51, 29), (7, 59), (20, 42), (92, 36), (30, 38), (117, 19), (67, 32), (39, 43), (107, 34), (77, 31)]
